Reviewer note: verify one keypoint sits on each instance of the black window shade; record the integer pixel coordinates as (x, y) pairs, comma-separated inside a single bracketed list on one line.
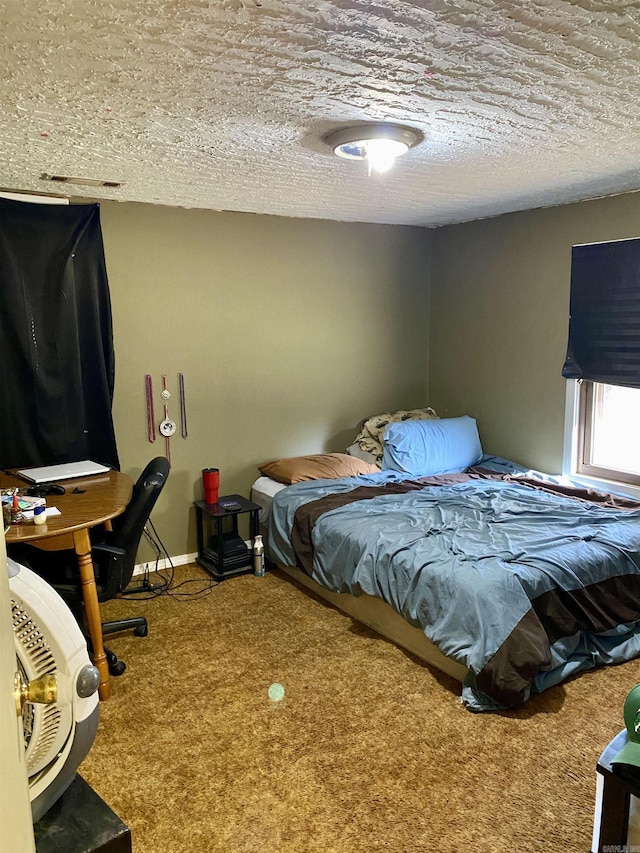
[(604, 321)]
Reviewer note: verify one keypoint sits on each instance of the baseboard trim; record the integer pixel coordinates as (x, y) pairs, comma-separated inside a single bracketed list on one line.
[(180, 560)]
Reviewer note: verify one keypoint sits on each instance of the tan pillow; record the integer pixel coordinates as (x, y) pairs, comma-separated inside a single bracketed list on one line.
[(319, 466)]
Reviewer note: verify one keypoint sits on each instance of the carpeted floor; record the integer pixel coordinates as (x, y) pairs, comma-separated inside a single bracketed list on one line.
[(369, 750)]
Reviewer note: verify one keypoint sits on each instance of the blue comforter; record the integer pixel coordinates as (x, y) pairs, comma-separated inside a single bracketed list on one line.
[(524, 587)]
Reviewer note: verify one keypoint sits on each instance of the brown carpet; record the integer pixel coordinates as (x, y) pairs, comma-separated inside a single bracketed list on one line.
[(370, 750)]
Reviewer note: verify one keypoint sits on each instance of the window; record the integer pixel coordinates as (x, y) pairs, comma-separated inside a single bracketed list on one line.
[(608, 432)]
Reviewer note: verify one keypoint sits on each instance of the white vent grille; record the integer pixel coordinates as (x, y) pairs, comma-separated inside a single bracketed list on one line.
[(41, 723), (81, 181)]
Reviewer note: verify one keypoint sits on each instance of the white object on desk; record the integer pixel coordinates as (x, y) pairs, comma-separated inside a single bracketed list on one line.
[(40, 515), (50, 473), (49, 513)]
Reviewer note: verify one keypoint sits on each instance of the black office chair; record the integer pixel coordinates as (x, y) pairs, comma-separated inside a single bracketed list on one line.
[(114, 557)]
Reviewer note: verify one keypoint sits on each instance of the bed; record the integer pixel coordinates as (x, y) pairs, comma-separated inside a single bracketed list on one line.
[(509, 580)]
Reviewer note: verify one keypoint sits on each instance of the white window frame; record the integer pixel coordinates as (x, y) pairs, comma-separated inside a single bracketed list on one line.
[(571, 448)]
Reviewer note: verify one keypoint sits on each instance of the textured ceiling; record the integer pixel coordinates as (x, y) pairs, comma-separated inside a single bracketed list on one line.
[(223, 104)]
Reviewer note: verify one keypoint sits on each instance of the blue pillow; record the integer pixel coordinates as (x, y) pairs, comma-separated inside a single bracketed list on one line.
[(427, 448)]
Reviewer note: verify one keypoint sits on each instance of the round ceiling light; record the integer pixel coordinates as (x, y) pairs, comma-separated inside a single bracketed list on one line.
[(377, 144)]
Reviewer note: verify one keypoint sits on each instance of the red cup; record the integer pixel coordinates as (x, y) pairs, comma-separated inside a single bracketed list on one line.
[(211, 483)]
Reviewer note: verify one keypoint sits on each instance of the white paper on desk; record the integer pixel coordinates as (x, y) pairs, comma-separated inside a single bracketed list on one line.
[(51, 510)]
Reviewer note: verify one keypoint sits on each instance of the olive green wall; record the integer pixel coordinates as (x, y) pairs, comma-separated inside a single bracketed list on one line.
[(499, 321), (288, 332)]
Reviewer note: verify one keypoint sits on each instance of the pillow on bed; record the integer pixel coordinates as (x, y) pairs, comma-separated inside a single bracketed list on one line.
[(371, 435), (427, 448), (319, 466)]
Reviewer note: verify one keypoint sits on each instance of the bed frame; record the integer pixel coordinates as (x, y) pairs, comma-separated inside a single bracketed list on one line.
[(377, 614)]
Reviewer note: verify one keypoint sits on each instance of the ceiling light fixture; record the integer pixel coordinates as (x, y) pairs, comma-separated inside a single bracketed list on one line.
[(377, 144)]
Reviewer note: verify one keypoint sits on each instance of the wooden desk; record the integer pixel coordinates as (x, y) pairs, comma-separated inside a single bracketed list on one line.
[(97, 501)]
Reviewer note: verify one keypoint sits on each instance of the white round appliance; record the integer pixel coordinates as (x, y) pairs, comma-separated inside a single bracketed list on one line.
[(48, 641)]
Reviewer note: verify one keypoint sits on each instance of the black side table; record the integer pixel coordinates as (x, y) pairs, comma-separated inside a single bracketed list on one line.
[(616, 783), (221, 549), (81, 822)]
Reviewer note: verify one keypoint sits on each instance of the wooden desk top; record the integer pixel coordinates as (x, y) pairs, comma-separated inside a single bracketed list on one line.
[(98, 499)]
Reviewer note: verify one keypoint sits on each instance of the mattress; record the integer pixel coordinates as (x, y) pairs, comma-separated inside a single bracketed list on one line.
[(519, 582), (370, 611), (262, 493)]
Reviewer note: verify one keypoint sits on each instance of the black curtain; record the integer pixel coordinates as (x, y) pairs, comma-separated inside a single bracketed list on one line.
[(604, 322), (56, 343)]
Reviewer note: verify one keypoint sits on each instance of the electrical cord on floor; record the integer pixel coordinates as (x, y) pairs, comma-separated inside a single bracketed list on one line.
[(167, 584)]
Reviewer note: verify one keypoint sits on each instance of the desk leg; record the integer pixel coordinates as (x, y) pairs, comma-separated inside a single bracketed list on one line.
[(82, 546)]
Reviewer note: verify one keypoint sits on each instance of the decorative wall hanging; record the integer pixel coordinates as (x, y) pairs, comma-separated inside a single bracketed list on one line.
[(167, 427), (183, 405), (151, 418)]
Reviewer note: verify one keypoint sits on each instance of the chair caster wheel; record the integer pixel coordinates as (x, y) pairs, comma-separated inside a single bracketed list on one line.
[(141, 631), (117, 668)]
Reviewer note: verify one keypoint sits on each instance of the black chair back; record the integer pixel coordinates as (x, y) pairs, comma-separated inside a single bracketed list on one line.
[(128, 527)]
